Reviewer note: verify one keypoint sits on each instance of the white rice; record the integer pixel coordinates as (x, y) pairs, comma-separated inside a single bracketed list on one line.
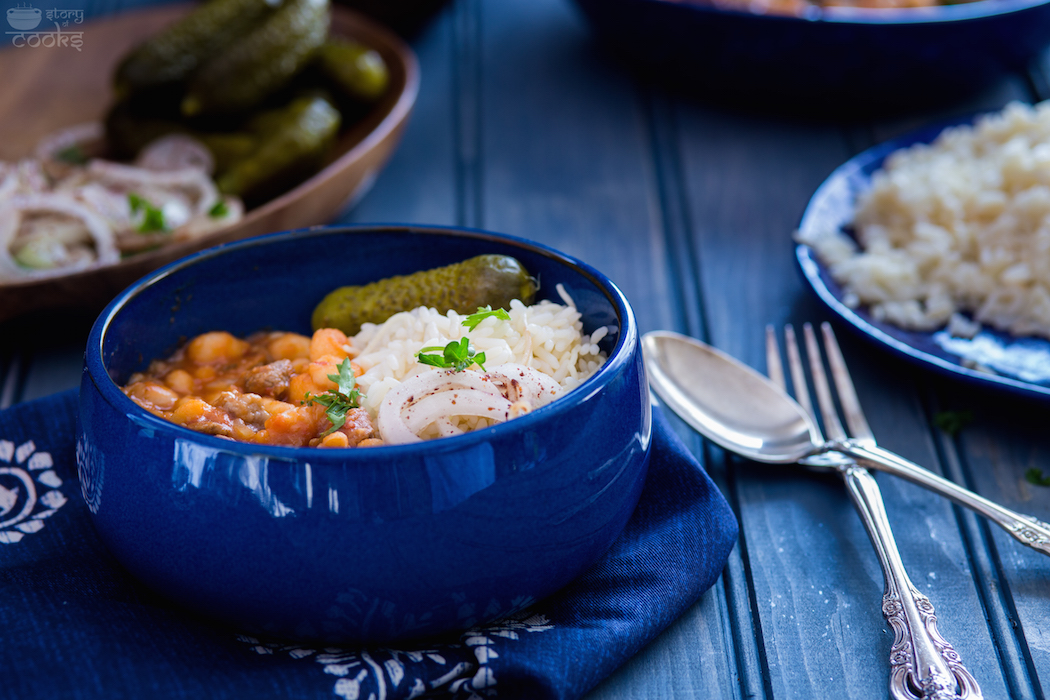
[(547, 337), (960, 225)]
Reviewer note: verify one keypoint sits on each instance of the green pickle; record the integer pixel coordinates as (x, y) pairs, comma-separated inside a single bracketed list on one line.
[(486, 280), (174, 54), (229, 148), (218, 74), (259, 63), (358, 70), (292, 143), (127, 133)]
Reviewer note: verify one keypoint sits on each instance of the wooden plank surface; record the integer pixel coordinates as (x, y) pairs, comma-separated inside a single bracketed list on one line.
[(418, 184), (815, 579), (523, 127), (591, 192)]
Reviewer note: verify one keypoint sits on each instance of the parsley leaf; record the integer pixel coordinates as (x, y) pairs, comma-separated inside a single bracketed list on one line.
[(456, 356), (338, 402), (472, 321), (152, 219), (74, 155), (219, 210), (952, 422), (1036, 476)]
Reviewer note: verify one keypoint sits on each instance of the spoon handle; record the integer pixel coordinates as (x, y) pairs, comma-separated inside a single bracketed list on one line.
[(1024, 528), (923, 666)]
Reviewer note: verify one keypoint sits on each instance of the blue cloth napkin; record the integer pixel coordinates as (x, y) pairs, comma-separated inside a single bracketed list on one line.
[(74, 624)]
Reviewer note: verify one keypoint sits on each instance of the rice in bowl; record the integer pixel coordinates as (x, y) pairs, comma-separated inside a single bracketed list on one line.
[(547, 337), (958, 226)]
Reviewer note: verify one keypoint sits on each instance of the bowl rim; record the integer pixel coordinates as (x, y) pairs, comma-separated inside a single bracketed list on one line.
[(622, 353), (860, 16)]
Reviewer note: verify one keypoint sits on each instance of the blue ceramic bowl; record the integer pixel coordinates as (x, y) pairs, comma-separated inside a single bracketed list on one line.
[(366, 545), (837, 59)]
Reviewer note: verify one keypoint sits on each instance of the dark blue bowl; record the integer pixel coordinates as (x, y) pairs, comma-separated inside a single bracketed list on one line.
[(839, 59), (367, 545)]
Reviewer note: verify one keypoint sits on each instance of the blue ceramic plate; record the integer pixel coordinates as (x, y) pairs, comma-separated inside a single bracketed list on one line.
[(991, 358), (837, 58)]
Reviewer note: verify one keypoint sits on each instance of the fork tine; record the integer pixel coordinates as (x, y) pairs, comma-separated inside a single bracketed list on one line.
[(858, 425), (832, 426), (798, 372), (774, 368)]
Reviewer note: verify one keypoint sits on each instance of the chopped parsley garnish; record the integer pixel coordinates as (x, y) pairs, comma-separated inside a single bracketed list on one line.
[(456, 356), (339, 401), (1036, 476), (219, 210), (74, 155), (472, 321), (152, 217), (952, 422)]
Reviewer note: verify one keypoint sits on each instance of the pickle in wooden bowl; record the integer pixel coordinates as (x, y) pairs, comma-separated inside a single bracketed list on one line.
[(82, 88)]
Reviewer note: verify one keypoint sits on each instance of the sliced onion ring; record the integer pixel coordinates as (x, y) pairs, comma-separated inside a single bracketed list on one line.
[(12, 211), (435, 397), (455, 402)]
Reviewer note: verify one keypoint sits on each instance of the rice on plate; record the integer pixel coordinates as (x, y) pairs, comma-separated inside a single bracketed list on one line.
[(956, 232)]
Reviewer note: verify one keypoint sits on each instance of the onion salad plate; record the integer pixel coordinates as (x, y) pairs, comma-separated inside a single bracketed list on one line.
[(992, 358)]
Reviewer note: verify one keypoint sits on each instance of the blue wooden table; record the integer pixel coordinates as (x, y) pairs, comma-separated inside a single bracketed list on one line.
[(523, 127)]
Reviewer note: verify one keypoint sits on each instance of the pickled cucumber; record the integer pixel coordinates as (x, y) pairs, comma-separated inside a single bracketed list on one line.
[(292, 143), (174, 54), (486, 280), (358, 70), (229, 148), (127, 132), (259, 63)]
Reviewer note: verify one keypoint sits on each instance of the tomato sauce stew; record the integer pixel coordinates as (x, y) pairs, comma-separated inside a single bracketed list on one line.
[(270, 388)]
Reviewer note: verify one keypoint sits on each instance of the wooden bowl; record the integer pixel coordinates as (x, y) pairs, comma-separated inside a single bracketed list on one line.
[(51, 88)]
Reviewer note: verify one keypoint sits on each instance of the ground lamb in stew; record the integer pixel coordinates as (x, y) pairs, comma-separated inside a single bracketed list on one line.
[(255, 390)]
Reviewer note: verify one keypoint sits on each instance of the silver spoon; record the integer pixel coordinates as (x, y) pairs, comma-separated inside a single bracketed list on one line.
[(741, 410)]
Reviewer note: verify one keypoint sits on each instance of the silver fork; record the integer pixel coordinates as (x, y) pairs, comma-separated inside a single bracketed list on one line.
[(923, 666)]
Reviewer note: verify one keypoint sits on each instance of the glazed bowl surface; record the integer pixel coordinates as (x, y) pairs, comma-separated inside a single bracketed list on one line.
[(829, 60), (359, 545)]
